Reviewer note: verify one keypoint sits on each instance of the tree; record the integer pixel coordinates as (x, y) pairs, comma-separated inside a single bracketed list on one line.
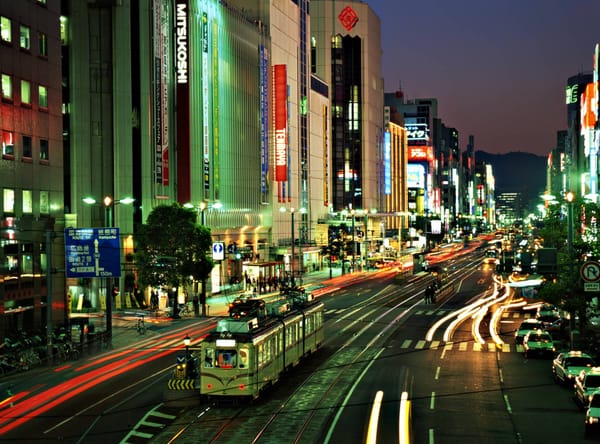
[(173, 250)]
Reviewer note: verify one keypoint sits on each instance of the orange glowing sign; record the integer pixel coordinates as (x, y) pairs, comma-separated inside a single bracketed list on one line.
[(420, 153)]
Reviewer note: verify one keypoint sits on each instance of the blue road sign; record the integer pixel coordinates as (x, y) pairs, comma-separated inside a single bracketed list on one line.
[(92, 252)]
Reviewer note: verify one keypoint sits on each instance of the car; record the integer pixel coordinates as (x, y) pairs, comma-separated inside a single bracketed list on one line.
[(526, 326), (592, 414), (586, 384), (538, 342), (567, 365), (547, 310)]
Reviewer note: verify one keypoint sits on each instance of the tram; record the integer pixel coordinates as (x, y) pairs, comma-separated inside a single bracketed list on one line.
[(246, 354)]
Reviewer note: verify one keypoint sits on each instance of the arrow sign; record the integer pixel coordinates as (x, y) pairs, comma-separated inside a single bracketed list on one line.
[(590, 271)]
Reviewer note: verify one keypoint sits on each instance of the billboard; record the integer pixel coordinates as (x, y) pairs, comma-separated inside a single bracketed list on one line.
[(280, 110), (420, 153), (415, 175)]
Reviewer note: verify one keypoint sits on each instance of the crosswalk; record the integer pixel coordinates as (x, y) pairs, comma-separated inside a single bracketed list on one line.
[(154, 421), (422, 344)]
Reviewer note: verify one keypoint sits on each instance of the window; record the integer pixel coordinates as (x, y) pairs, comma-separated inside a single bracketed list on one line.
[(25, 92), (8, 143), (27, 147), (42, 96), (5, 29), (64, 26), (44, 154), (6, 87), (24, 40), (27, 201), (41, 2), (9, 200), (44, 202), (43, 44)]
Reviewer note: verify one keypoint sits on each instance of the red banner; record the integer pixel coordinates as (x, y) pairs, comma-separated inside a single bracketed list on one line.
[(280, 105)]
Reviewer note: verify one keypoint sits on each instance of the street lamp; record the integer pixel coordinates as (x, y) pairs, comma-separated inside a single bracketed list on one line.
[(108, 204), (570, 196), (187, 341), (201, 208), (292, 212), (353, 240)]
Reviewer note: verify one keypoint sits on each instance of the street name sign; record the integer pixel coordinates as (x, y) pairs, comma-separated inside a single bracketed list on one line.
[(92, 252)]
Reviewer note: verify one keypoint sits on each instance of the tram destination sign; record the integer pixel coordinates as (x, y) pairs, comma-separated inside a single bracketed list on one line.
[(92, 252)]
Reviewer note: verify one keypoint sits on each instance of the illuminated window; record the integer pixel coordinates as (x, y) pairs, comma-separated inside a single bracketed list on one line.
[(27, 201), (43, 44), (24, 39), (27, 147), (6, 87), (44, 152), (8, 143), (9, 200), (64, 34), (25, 92), (5, 29), (44, 202), (42, 96)]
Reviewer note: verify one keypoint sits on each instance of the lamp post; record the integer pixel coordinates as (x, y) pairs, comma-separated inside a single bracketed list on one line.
[(292, 212), (187, 341), (108, 202)]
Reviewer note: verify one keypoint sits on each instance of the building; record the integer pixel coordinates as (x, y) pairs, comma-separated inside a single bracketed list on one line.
[(31, 168)]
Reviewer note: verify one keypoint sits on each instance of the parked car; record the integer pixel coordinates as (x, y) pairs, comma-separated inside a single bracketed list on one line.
[(566, 366), (586, 384), (538, 342), (526, 326)]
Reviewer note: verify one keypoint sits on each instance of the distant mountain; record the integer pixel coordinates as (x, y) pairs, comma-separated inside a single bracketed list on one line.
[(517, 172)]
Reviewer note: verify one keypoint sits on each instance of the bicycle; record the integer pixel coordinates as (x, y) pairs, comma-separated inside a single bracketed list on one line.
[(141, 326), (184, 309)]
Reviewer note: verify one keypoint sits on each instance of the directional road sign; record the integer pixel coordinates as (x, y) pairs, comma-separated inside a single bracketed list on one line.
[(218, 251), (92, 252), (590, 271)]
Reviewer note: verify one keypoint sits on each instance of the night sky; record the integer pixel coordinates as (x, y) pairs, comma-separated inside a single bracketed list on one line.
[(497, 67)]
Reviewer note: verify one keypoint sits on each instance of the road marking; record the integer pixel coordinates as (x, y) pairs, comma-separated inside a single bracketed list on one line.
[(432, 401), (434, 345), (406, 343), (430, 436), (437, 373), (462, 346), (420, 344), (508, 407)]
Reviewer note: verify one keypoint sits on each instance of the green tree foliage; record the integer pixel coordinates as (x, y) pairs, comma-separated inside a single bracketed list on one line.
[(566, 288), (173, 250)]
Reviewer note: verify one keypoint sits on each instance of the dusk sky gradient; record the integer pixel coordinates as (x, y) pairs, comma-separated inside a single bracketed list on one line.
[(498, 68)]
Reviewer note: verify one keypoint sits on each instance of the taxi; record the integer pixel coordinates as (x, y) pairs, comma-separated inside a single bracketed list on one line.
[(592, 414), (567, 365), (526, 326), (586, 384), (538, 342)]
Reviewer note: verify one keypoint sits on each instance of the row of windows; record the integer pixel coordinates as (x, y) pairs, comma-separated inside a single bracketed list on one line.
[(8, 146), (6, 36), (9, 205), (25, 87)]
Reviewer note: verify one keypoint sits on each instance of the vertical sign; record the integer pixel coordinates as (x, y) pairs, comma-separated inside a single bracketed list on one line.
[(325, 155), (280, 105), (182, 72), (159, 89), (387, 163), (205, 108), (214, 61), (264, 122)]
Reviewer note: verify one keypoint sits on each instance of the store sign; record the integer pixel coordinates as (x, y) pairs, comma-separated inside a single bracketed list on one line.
[(181, 45), (417, 131), (281, 152)]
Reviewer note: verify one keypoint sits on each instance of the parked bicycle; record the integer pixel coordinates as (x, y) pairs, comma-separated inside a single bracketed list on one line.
[(141, 326)]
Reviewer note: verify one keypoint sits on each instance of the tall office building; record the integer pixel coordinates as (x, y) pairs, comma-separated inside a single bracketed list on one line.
[(346, 53), (31, 168)]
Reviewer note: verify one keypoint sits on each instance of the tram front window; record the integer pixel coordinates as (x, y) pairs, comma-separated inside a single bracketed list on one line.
[(226, 358)]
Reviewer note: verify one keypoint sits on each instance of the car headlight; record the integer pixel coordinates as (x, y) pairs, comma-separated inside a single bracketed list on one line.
[(593, 420), (589, 398)]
